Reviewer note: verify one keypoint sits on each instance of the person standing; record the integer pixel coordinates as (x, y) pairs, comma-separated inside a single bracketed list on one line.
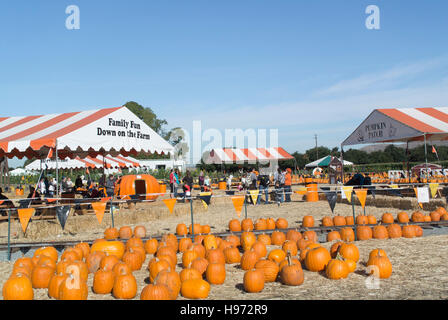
[(253, 180), (229, 181), (288, 182), (171, 183), (69, 184), (188, 184), (279, 181), (176, 181), (110, 186), (52, 188), (264, 187), (42, 187), (201, 180)]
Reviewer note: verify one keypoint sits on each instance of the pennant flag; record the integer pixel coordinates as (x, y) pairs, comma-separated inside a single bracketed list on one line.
[(433, 187), (106, 199), (87, 171), (254, 195), (25, 216), (238, 203), (50, 200), (99, 208), (332, 196), (394, 186), (348, 193), (205, 198), (62, 213), (362, 195), (435, 151), (1, 202), (170, 203), (422, 195)]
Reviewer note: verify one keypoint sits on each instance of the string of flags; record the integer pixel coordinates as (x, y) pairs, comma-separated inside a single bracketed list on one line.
[(423, 195)]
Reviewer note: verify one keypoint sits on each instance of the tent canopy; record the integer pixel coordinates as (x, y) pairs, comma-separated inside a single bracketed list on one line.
[(88, 162), (407, 124), (251, 155), (325, 162), (111, 131)]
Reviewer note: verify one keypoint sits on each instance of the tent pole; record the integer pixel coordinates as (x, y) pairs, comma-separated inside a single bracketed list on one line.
[(426, 157), (407, 159), (342, 160), (57, 170)]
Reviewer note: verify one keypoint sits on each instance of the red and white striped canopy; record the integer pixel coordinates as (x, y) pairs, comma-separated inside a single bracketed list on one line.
[(230, 155), (404, 124), (88, 162), (104, 131)]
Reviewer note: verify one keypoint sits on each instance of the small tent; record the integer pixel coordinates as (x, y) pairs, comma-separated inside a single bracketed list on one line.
[(325, 162)]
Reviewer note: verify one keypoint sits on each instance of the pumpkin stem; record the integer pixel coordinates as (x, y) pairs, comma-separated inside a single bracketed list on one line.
[(339, 257)]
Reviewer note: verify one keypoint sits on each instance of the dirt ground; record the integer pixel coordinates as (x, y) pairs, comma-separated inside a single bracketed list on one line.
[(420, 268)]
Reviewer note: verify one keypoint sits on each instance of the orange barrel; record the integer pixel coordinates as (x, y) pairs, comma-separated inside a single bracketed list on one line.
[(311, 193), (162, 188), (222, 185)]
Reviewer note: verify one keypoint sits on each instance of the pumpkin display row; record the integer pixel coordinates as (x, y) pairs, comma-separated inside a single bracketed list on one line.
[(203, 261)]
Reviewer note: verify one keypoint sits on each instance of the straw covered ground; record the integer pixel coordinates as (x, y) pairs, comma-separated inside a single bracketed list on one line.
[(420, 268)]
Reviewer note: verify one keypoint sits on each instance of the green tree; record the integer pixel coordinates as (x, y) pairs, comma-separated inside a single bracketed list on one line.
[(148, 116), (312, 156)]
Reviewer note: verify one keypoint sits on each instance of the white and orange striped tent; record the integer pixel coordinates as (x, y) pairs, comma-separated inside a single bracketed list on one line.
[(88, 162), (404, 124), (114, 131), (251, 155)]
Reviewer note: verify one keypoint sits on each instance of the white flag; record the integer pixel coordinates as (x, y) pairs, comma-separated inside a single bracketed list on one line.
[(423, 195)]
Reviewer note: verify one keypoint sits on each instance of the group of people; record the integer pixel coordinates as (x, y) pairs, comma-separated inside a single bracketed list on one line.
[(281, 180), (250, 180), (176, 181)]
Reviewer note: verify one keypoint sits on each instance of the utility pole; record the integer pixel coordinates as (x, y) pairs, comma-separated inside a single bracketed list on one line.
[(317, 151)]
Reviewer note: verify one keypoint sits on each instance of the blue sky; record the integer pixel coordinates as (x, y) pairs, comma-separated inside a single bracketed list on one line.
[(304, 67)]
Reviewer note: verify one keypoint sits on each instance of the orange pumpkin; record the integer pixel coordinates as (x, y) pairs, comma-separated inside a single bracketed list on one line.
[(115, 248)]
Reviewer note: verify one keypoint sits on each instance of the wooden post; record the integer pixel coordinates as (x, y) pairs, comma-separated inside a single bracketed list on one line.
[(354, 218), (192, 219), (9, 235), (112, 212), (245, 205)]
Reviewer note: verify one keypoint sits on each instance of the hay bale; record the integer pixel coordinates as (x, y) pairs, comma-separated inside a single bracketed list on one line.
[(383, 202)]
